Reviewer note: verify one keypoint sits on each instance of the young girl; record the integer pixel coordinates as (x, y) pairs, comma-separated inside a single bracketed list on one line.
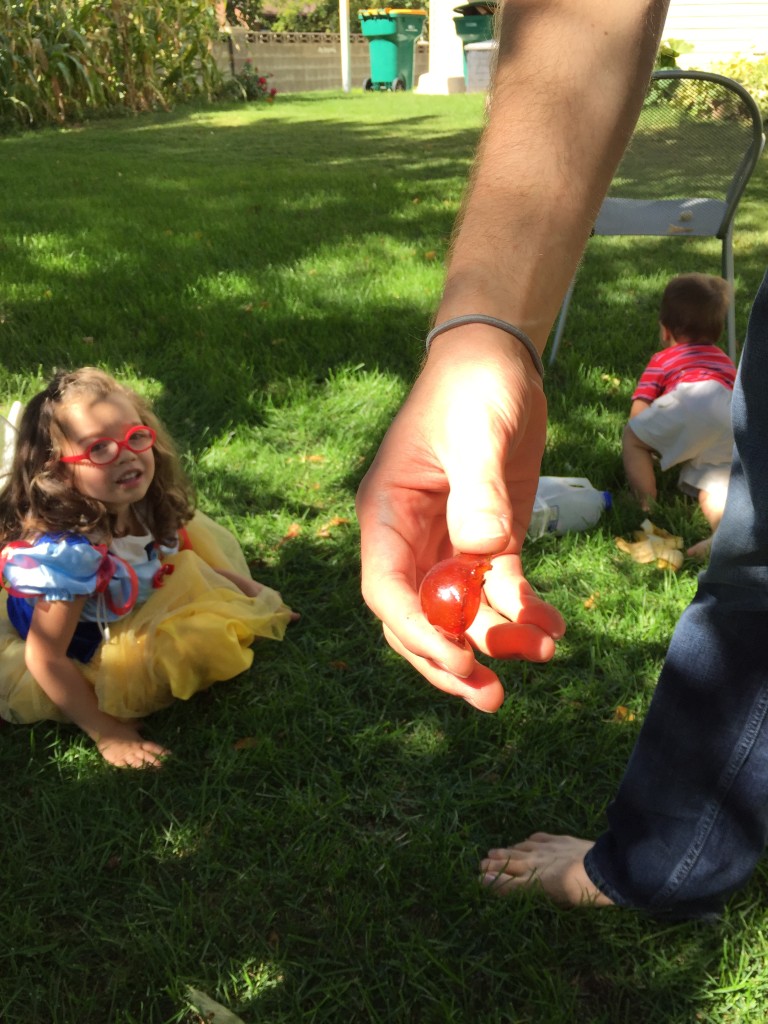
[(119, 596)]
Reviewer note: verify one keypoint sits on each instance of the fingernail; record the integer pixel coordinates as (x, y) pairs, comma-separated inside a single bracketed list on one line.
[(485, 526)]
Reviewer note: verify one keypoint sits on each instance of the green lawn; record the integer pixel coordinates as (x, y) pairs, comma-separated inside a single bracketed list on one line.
[(267, 275)]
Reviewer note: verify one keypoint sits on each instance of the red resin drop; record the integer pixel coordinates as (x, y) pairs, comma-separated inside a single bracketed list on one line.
[(450, 593)]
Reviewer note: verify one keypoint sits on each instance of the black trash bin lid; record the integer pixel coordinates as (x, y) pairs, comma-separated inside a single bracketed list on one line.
[(481, 7)]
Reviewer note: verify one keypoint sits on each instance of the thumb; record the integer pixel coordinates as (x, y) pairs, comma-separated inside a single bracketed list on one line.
[(478, 512)]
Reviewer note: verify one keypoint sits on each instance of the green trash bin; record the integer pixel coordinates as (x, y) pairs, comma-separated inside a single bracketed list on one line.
[(392, 33), (474, 24)]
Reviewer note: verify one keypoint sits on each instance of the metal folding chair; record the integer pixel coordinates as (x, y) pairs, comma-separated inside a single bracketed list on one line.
[(695, 146)]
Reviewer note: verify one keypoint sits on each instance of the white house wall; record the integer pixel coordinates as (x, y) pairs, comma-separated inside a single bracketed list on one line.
[(718, 29)]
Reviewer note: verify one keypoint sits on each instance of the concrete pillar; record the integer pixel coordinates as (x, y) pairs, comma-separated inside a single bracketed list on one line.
[(446, 54)]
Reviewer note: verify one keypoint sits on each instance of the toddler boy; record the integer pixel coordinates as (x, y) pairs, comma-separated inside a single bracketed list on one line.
[(681, 407)]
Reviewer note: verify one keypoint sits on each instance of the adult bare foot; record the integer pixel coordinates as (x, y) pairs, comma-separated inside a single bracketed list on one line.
[(555, 864)]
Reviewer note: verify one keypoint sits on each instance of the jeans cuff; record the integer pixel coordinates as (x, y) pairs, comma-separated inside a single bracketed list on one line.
[(596, 877)]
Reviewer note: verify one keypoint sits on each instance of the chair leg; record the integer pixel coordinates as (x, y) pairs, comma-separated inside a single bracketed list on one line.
[(727, 264), (561, 321)]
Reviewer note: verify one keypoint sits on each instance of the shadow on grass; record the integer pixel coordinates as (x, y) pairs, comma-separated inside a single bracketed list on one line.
[(331, 877), (314, 840), (215, 248)]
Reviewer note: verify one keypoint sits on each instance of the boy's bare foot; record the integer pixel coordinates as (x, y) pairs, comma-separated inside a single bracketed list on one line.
[(555, 864), (701, 549)]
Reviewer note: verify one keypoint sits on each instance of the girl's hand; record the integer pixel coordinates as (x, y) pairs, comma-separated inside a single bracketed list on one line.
[(250, 587), (458, 471), (124, 748), (52, 627)]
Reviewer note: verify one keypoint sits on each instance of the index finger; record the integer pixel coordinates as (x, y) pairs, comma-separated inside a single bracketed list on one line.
[(481, 688)]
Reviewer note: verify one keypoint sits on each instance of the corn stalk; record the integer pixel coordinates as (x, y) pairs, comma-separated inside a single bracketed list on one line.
[(63, 59)]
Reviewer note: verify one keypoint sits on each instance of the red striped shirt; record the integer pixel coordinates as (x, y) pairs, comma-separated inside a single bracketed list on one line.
[(684, 363)]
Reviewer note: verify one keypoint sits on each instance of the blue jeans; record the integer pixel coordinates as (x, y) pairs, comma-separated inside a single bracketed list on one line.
[(690, 819)]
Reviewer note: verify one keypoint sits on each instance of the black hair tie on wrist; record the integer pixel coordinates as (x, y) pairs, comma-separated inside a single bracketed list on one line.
[(492, 321)]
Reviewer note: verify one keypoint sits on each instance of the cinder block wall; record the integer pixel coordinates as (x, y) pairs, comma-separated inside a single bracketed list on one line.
[(302, 61)]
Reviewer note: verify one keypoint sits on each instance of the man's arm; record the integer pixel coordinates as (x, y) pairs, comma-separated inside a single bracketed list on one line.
[(459, 466), (569, 84)]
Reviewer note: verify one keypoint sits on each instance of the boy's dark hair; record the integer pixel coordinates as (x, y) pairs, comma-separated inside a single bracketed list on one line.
[(38, 496), (694, 306)]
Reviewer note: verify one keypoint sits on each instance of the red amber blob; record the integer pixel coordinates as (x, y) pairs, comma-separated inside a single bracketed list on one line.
[(450, 593)]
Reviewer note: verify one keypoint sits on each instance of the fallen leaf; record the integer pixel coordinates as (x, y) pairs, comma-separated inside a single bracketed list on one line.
[(209, 1009), (622, 714), (246, 743), (431, 255), (325, 531), (311, 458), (293, 531), (340, 666), (592, 600)]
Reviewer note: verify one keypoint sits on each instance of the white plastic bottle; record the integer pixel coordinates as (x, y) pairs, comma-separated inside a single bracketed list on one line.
[(566, 503)]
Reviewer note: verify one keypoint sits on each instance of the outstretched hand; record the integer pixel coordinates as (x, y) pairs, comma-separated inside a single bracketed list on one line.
[(458, 471)]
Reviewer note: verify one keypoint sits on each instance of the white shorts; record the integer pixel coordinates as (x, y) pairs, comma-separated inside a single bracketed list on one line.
[(691, 427)]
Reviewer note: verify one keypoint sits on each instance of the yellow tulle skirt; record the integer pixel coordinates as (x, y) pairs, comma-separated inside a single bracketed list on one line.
[(195, 630)]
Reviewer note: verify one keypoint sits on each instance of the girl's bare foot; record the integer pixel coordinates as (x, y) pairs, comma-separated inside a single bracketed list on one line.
[(555, 864), (124, 748)]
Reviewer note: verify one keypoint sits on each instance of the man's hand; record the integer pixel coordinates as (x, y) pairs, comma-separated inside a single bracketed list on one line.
[(458, 471)]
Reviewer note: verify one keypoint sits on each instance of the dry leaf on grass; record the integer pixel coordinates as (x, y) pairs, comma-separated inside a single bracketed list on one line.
[(211, 1011), (325, 531), (293, 531), (246, 743), (622, 714)]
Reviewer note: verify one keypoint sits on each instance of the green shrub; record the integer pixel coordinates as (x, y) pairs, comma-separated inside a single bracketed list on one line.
[(660, 92), (249, 85), (752, 73)]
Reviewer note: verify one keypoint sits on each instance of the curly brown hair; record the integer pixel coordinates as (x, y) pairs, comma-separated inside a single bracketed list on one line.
[(38, 496)]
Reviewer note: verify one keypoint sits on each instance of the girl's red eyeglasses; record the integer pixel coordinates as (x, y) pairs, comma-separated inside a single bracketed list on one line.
[(106, 449)]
